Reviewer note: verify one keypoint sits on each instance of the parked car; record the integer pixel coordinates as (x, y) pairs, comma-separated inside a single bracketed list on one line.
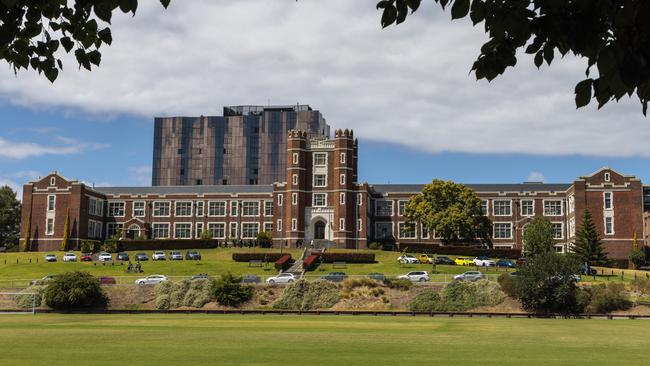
[(415, 276), (122, 256), (105, 280), (86, 257), (521, 262), (445, 260), (105, 257), (193, 255), (50, 258), (250, 278), (460, 261), (175, 256), (43, 280), (158, 256), (151, 280), (407, 259), (588, 271), (200, 276), (377, 276), (281, 278), (506, 263), (427, 258), (69, 257), (335, 276), (470, 276), (140, 257), (484, 261)]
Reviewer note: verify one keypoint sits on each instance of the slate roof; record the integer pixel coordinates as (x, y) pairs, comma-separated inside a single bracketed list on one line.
[(160, 190), (521, 187)]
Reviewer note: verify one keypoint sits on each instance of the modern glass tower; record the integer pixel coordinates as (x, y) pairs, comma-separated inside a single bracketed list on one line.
[(247, 145)]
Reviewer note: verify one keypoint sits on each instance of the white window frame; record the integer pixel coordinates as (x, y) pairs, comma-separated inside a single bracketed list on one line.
[(359, 225), (494, 207), (323, 195), (294, 224), (49, 230), (611, 200), (295, 158), (110, 213), (342, 179), (280, 199), (343, 158), (294, 179), (494, 229), (233, 225), (341, 224), (53, 181), (611, 218), (144, 209), (342, 198), (279, 225), (314, 183), (561, 224), (162, 225), (294, 199), (223, 227), (401, 207), (319, 154), (176, 224), (424, 234), (255, 208), (607, 177), (198, 229), (234, 208), (400, 228), (532, 206), (359, 199), (200, 208), (268, 225), (392, 208), (224, 207), (51, 203), (169, 208), (257, 229), (553, 200), (268, 208)]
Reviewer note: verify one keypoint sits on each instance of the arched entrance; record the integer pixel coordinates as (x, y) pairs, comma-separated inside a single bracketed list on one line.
[(319, 230), (133, 232)]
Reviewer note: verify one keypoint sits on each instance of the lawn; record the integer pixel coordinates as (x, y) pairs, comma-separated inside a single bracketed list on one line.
[(164, 339)]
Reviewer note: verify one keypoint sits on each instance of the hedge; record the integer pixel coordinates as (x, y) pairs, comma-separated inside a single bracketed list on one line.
[(283, 262), (461, 250), (349, 257), (165, 244), (261, 256), (311, 262)]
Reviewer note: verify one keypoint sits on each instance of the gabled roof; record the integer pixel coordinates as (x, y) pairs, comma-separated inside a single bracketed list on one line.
[(606, 168), (163, 190), (486, 188)]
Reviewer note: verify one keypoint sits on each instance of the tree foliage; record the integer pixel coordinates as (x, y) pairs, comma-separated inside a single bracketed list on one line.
[(33, 31), (9, 217), (230, 292), (613, 36), (587, 246), (451, 210), (538, 236), (65, 241), (74, 290)]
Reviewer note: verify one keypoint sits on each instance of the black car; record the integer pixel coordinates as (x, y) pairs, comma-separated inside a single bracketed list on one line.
[(445, 260), (193, 255), (249, 278), (122, 256), (335, 276), (141, 257)]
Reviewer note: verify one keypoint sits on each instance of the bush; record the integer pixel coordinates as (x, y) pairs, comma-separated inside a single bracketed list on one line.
[(178, 293), (508, 284), (168, 244), (283, 262), (163, 302), (74, 290), (607, 298), (351, 283), (310, 262), (261, 256), (349, 257), (468, 251), (463, 295), (638, 258), (375, 246), (24, 301), (642, 286), (230, 292), (264, 239), (112, 246), (426, 301), (305, 295), (90, 246), (199, 293), (398, 284)]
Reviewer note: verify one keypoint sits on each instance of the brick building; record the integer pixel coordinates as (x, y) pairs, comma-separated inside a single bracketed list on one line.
[(321, 199)]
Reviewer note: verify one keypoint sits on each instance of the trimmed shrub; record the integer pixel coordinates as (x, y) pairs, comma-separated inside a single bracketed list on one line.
[(229, 291), (310, 262), (398, 284), (375, 246), (283, 262), (508, 284), (199, 293), (469, 251), (261, 256), (607, 298), (305, 295), (351, 283), (74, 290), (178, 293), (167, 244), (112, 246), (426, 301), (26, 301), (349, 257), (90, 246), (164, 288), (163, 302), (463, 295)]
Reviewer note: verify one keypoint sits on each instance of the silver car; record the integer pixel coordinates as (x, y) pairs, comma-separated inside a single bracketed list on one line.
[(282, 278), (470, 276), (415, 276), (158, 256), (151, 280)]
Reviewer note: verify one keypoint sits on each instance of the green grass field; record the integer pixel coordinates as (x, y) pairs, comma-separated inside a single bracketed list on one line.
[(164, 339)]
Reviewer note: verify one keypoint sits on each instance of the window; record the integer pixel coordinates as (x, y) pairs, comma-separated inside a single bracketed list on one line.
[(607, 177), (113, 229), (199, 208), (401, 207), (160, 231), (279, 225), (609, 225), (268, 227), (294, 179), (51, 203), (52, 181), (342, 158), (268, 208), (92, 206), (138, 209), (295, 158), (406, 230), (383, 208), (320, 159), (359, 199), (320, 200), (199, 230), (161, 209), (557, 230), (250, 230), (182, 230), (553, 208), (607, 198), (572, 227), (342, 179), (217, 230), (342, 198), (527, 208), (294, 198), (250, 208), (116, 209), (424, 233), (502, 207), (233, 230), (294, 224), (572, 203), (280, 199), (320, 180), (50, 227), (484, 207), (233, 208), (359, 224), (342, 224), (94, 229), (383, 230), (502, 230), (217, 208)]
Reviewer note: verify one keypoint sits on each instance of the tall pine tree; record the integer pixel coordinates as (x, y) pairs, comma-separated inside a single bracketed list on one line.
[(587, 246)]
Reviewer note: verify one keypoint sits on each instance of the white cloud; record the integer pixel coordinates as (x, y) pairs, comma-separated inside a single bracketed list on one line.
[(141, 174), (14, 180), (407, 84), (21, 150), (536, 177)]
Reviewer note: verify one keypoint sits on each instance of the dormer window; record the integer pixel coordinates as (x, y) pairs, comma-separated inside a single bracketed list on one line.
[(52, 181), (607, 177)]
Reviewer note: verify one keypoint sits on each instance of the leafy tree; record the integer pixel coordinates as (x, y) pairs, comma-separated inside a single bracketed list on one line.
[(538, 236), (452, 210), (637, 255), (65, 241), (32, 31), (9, 217), (74, 290), (587, 246), (264, 238), (613, 35), (206, 234), (230, 292)]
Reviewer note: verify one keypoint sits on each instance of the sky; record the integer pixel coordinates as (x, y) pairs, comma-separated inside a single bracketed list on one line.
[(406, 91)]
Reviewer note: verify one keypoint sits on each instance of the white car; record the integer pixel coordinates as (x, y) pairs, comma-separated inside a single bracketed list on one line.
[(415, 276), (69, 257), (151, 280), (484, 262), (407, 259), (105, 257), (158, 256), (281, 279), (470, 276)]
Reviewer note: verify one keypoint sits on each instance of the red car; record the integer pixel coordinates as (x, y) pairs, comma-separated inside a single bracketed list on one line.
[(107, 280), (86, 258)]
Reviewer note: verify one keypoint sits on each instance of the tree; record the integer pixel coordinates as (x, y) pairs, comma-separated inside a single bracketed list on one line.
[(538, 237), (264, 239), (451, 210), (230, 292), (613, 35), (9, 217), (74, 290), (637, 255), (206, 234), (65, 241), (587, 246), (31, 32)]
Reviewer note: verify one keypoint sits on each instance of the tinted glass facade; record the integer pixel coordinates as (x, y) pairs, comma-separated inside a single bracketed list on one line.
[(247, 145)]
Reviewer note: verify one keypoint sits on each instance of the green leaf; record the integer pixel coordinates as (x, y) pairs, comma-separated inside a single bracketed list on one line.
[(67, 44), (51, 74), (459, 9), (389, 16), (165, 3), (95, 57), (105, 36), (583, 92)]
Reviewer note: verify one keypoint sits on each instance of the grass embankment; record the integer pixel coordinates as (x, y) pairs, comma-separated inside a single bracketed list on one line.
[(164, 339)]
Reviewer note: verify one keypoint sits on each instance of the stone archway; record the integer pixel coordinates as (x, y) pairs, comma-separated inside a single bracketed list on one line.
[(319, 229)]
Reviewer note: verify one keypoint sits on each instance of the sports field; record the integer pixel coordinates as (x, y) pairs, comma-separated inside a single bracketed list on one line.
[(164, 339)]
